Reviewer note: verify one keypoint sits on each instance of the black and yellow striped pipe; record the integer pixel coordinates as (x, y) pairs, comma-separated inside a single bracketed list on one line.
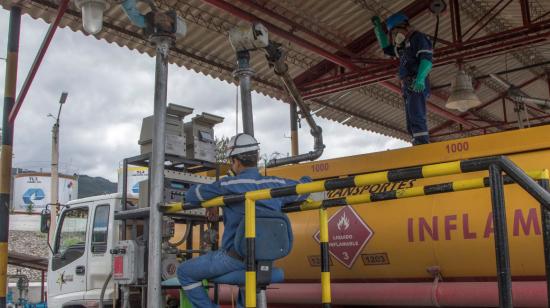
[(7, 142), (407, 192), (250, 235), (396, 175), (325, 261)]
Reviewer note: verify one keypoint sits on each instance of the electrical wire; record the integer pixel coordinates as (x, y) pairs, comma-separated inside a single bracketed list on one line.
[(436, 30), (184, 237)]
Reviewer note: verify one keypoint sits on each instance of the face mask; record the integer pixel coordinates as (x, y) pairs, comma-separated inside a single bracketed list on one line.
[(399, 38)]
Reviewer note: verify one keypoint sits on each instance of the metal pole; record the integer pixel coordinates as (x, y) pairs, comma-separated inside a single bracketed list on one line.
[(154, 295), (545, 215), (42, 280), (54, 185), (244, 74), (504, 277), (294, 129), (6, 149), (325, 261)]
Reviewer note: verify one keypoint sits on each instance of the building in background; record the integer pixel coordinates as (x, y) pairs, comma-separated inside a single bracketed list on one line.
[(31, 190)]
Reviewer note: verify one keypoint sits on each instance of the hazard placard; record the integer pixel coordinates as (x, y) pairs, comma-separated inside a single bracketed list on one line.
[(348, 235)]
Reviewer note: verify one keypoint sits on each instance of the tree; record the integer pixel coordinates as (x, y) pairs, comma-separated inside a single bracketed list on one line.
[(221, 147)]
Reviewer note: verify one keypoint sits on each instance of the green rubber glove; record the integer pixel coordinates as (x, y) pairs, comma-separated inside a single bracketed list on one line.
[(380, 35), (419, 84)]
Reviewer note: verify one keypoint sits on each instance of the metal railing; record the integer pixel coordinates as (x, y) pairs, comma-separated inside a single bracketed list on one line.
[(496, 165)]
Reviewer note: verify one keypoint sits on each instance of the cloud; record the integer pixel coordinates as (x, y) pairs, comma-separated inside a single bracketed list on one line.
[(111, 90)]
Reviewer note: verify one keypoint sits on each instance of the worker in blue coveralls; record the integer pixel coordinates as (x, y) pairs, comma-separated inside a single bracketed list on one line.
[(414, 50), (243, 153)]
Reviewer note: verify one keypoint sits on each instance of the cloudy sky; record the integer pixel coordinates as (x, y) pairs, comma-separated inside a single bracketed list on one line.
[(111, 90)]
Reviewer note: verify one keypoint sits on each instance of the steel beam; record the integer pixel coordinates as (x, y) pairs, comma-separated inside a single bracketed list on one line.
[(295, 26), (490, 19), (156, 165), (488, 45), (455, 21), (38, 59), (491, 10), (357, 46), (6, 148), (525, 13), (237, 12)]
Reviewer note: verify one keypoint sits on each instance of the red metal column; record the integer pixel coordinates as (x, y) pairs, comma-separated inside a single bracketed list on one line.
[(525, 13), (455, 21), (38, 60), (42, 287), (484, 46)]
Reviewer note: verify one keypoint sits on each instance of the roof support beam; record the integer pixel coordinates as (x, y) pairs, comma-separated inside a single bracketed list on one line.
[(456, 27), (484, 46), (357, 46), (295, 26), (237, 12), (38, 60), (490, 19), (525, 13)]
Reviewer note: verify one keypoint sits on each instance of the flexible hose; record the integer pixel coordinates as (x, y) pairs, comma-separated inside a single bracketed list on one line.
[(184, 237), (102, 295)]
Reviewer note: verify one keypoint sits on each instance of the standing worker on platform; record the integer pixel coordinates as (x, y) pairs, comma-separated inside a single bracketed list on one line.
[(243, 153), (414, 50)]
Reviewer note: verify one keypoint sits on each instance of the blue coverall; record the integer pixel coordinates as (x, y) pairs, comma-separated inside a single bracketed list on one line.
[(416, 47), (216, 263)]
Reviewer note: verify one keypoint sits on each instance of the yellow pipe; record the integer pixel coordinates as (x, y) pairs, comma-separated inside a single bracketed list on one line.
[(441, 169), (325, 276), (250, 218), (250, 290), (323, 223), (3, 268), (250, 234), (325, 288)]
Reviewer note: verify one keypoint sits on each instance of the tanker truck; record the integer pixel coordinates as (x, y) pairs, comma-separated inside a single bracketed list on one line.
[(427, 250)]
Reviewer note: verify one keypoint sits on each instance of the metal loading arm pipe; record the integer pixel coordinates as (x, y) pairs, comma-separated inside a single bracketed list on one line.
[(276, 58)]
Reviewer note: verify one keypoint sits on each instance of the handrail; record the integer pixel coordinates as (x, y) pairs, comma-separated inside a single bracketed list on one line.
[(455, 186), (495, 165), (395, 175)]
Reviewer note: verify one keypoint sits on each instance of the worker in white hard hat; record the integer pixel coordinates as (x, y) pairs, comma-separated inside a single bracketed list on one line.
[(243, 153)]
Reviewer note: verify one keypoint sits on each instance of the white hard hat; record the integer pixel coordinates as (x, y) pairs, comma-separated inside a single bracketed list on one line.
[(241, 143)]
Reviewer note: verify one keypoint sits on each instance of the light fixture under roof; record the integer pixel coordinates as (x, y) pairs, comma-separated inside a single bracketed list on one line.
[(462, 96)]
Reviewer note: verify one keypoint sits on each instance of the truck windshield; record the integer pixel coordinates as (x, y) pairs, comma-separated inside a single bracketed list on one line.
[(73, 229)]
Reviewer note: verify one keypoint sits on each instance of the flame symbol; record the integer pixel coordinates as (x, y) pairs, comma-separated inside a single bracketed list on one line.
[(343, 223)]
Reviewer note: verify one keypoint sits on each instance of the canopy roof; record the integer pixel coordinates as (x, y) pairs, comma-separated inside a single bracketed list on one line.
[(337, 64)]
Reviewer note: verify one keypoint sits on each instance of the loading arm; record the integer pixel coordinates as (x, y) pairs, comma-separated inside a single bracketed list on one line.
[(276, 58)]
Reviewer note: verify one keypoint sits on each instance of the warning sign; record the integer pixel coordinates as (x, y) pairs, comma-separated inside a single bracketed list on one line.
[(348, 235)]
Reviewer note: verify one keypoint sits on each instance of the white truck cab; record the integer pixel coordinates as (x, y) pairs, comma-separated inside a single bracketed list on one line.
[(81, 262)]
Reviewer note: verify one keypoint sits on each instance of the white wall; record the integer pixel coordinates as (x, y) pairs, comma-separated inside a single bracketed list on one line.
[(36, 189)]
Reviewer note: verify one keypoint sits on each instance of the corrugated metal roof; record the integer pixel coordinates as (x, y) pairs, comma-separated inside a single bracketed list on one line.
[(206, 50)]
